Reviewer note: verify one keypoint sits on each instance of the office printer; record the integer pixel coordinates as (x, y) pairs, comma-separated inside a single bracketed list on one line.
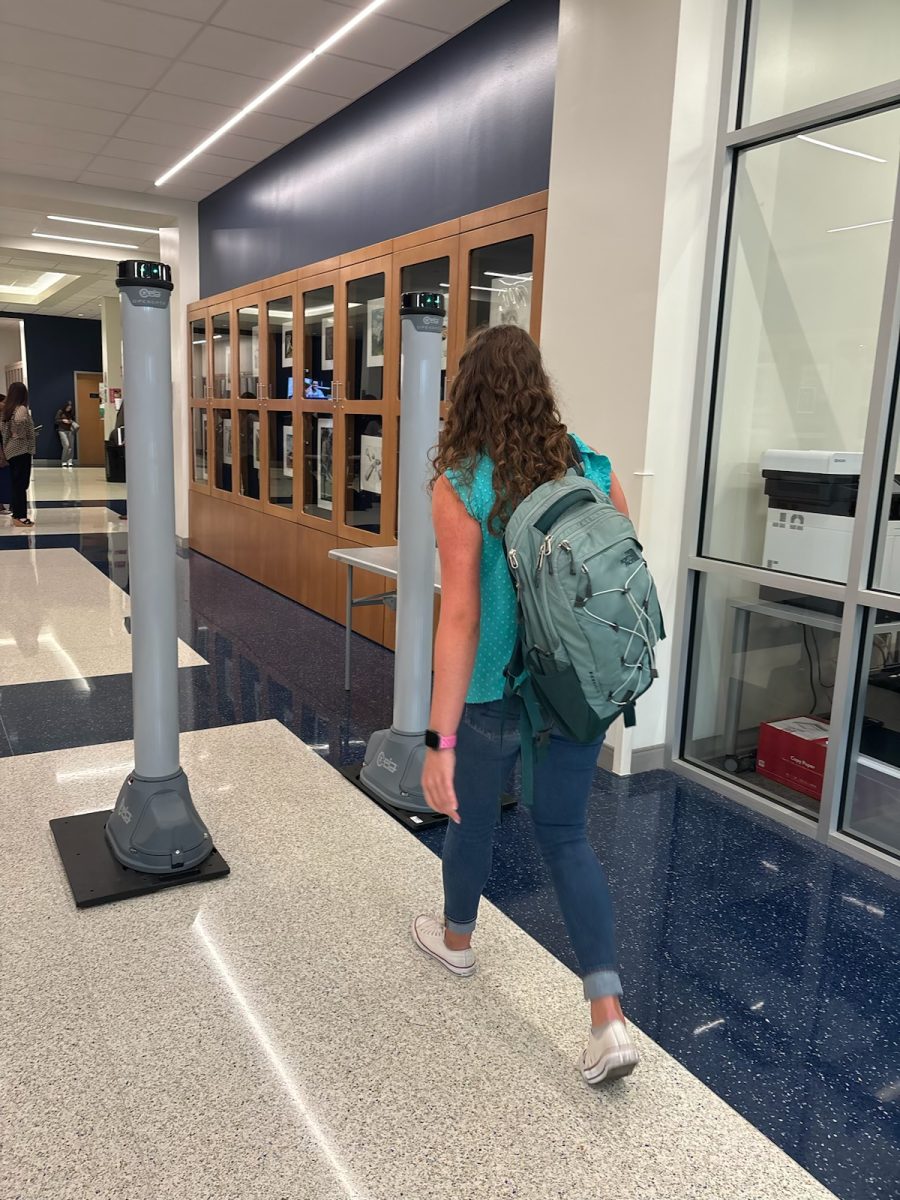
[(809, 523)]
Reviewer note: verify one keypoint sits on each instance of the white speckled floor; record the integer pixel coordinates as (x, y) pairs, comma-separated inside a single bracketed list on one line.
[(275, 1036), (67, 521), (79, 483), (61, 618)]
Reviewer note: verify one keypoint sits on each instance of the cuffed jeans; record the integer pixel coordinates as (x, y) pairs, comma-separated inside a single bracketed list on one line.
[(487, 748), (67, 439)]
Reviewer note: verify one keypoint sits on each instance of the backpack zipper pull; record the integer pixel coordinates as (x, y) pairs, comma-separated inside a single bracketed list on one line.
[(513, 559), (571, 553), (546, 548)]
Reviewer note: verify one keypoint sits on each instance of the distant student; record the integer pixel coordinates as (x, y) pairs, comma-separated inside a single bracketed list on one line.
[(17, 437), (5, 481), (65, 426)]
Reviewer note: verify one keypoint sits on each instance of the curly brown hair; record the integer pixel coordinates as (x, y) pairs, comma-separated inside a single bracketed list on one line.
[(502, 405)]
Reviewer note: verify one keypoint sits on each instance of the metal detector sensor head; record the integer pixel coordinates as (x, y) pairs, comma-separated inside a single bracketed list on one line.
[(135, 272), (430, 304)]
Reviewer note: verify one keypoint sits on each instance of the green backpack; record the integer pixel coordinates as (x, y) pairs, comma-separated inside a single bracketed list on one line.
[(589, 618)]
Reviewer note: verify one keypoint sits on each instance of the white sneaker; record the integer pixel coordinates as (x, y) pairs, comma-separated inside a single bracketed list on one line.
[(428, 934), (610, 1054)]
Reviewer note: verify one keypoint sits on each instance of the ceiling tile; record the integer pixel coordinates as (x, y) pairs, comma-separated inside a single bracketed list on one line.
[(135, 170), (229, 51), (106, 24), (97, 93), (448, 15), (122, 181), (182, 138), (182, 191), (273, 129), (197, 10), (202, 114), (234, 91), (161, 157), (343, 76), (49, 135), (59, 114), (57, 53), (28, 155), (388, 43), (296, 22)]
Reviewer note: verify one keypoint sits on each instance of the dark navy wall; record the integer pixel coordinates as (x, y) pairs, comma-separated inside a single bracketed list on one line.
[(464, 128), (56, 347)]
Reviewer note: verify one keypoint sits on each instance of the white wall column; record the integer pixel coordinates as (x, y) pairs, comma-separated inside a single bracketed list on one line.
[(111, 338), (179, 247), (631, 174)]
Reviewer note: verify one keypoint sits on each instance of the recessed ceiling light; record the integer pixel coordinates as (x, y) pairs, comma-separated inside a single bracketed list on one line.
[(103, 224), (59, 237), (40, 285), (272, 89), (803, 137)]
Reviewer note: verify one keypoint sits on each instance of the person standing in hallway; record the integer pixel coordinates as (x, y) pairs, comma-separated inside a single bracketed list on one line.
[(18, 437), (504, 438), (5, 482), (65, 427)]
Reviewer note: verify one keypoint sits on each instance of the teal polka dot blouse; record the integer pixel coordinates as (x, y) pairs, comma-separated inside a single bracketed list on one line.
[(498, 597)]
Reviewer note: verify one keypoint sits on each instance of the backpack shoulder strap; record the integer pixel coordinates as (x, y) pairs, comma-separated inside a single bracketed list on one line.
[(576, 455)]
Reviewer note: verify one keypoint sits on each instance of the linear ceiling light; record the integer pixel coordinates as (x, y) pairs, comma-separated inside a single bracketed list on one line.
[(802, 137), (104, 224), (59, 237), (272, 89), (863, 225)]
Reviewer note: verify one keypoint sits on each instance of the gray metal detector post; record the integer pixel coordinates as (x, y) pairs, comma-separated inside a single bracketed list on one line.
[(394, 757), (154, 827)]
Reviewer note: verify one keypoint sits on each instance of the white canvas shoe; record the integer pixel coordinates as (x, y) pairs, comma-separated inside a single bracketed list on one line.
[(610, 1054), (428, 934)]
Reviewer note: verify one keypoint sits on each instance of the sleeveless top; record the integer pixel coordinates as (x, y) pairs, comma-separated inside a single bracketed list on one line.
[(498, 597)]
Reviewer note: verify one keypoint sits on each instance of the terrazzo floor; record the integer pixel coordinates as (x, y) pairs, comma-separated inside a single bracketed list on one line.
[(275, 1034), (762, 962)]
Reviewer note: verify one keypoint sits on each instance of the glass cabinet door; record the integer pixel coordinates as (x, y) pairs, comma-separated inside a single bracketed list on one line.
[(365, 338), (223, 450), (502, 279), (249, 448), (200, 446), (434, 275), (248, 366), (318, 342), (221, 355), (318, 465), (280, 459), (199, 359), (279, 358), (364, 458)]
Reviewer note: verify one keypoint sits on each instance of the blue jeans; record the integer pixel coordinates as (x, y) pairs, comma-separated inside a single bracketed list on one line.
[(486, 751)]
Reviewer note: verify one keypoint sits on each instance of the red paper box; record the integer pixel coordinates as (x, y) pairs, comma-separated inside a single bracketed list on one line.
[(793, 752)]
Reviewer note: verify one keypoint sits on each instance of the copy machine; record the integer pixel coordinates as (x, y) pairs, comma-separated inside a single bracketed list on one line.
[(809, 522)]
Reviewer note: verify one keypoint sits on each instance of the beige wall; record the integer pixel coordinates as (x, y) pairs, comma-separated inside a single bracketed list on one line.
[(630, 185)]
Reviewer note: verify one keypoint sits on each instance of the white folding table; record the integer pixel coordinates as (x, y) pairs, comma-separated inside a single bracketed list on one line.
[(379, 560)]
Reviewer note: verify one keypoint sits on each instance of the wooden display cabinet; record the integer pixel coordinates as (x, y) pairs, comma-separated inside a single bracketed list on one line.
[(294, 396)]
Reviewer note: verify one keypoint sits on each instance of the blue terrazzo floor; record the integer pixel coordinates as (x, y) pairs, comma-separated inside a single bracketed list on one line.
[(766, 963)]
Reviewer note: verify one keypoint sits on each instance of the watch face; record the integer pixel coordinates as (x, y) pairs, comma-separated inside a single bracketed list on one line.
[(432, 740)]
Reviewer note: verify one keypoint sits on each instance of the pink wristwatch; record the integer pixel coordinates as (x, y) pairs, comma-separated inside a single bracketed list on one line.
[(437, 741)]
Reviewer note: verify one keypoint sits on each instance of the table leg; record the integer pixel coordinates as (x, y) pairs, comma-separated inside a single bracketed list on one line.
[(348, 633)]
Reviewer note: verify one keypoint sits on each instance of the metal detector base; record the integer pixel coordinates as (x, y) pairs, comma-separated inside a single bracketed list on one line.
[(411, 820), (95, 877)]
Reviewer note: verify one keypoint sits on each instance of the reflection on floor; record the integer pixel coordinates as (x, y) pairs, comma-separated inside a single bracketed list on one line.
[(276, 1034), (77, 483), (764, 963)]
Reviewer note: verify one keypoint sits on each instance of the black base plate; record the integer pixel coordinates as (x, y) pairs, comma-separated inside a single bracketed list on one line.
[(415, 821), (96, 877)]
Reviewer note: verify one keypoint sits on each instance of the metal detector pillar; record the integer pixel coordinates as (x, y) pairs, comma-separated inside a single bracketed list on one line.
[(393, 766), (154, 827)]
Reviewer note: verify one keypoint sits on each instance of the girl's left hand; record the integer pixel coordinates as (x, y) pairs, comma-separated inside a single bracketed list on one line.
[(437, 782)]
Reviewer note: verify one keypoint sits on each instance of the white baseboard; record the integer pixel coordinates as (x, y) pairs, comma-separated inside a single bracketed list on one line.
[(648, 758)]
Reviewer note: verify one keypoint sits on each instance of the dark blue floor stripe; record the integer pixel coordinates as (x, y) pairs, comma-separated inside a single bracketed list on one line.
[(767, 964)]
